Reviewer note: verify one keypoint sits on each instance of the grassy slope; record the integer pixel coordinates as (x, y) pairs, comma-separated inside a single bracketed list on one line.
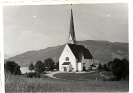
[(23, 84)]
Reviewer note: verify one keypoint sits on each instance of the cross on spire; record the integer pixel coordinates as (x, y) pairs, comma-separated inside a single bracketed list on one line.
[(72, 37)]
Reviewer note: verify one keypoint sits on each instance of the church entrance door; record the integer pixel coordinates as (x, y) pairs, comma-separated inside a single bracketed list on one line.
[(65, 69), (83, 68)]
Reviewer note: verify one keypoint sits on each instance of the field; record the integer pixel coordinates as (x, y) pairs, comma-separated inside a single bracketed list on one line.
[(23, 84), (79, 76)]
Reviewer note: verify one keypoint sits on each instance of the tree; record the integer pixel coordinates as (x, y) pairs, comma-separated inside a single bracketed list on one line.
[(99, 67), (125, 68), (12, 68), (31, 67), (57, 65), (49, 64), (105, 66), (39, 67), (110, 66), (117, 68)]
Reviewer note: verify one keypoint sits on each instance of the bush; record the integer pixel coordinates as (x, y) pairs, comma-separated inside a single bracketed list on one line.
[(49, 64), (39, 67), (99, 67), (111, 79), (109, 68), (125, 73), (12, 68), (57, 65), (31, 67), (32, 75), (87, 70), (43, 76), (119, 68), (105, 67)]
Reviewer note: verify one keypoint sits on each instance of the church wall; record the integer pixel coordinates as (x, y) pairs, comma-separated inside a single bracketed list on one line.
[(67, 66), (79, 66), (67, 53), (83, 61), (88, 62)]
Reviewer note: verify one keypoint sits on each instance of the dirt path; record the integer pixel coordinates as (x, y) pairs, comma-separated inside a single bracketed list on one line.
[(51, 74), (104, 75)]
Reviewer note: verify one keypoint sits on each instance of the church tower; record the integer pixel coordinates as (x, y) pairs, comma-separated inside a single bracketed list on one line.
[(74, 57), (72, 37)]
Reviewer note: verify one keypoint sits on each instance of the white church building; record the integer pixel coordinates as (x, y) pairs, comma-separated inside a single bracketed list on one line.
[(74, 57)]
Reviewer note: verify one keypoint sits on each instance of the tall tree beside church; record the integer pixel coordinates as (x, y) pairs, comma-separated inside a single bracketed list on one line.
[(57, 65), (49, 64), (31, 67), (99, 67)]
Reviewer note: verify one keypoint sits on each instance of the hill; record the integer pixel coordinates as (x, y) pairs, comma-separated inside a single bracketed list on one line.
[(102, 51)]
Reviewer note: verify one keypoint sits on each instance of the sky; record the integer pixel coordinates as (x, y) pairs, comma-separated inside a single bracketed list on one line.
[(34, 27)]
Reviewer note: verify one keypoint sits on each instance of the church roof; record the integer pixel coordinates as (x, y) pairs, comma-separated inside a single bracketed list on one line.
[(78, 50), (66, 63)]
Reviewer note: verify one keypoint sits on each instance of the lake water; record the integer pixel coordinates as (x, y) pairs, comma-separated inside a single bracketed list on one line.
[(24, 70)]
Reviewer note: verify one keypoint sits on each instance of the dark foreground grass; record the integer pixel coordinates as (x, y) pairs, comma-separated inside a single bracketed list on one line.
[(79, 76), (23, 84)]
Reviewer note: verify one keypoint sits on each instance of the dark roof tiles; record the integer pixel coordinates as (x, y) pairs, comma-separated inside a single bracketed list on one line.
[(78, 50)]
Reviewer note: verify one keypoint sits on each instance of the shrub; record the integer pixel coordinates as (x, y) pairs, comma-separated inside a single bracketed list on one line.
[(105, 67), (119, 68), (32, 75), (125, 73), (39, 67), (57, 65), (50, 64), (109, 66), (99, 67), (87, 70), (31, 67), (12, 68), (43, 76), (111, 79)]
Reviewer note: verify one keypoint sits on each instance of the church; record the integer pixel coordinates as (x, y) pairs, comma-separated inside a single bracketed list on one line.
[(74, 57)]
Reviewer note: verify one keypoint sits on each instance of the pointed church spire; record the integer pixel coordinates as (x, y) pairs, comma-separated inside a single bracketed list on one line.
[(72, 37)]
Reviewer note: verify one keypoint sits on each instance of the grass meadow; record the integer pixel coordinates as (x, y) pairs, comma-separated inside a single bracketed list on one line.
[(79, 76), (23, 84)]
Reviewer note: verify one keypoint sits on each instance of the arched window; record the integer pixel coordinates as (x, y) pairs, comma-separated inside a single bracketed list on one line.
[(67, 58)]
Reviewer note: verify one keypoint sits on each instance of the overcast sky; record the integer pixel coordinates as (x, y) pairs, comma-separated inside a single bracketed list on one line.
[(35, 27)]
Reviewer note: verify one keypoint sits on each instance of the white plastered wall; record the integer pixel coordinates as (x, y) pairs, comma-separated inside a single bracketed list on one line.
[(67, 53), (67, 66), (79, 66)]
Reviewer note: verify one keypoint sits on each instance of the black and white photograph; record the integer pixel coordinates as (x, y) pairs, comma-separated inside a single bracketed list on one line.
[(80, 47)]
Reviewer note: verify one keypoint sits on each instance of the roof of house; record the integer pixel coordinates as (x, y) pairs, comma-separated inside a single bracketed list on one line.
[(78, 50), (66, 63)]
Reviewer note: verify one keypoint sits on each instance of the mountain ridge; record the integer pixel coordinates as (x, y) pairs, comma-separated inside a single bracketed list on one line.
[(102, 51)]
